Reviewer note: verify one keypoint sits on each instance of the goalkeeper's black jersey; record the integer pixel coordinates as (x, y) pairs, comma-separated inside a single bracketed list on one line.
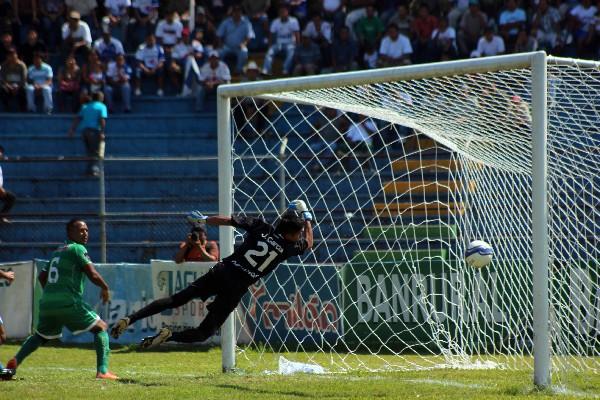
[(263, 247)]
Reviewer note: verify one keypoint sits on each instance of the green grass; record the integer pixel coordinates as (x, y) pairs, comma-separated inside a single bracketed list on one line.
[(60, 372)]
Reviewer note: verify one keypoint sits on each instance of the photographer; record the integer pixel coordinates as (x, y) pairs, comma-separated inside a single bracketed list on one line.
[(197, 247)]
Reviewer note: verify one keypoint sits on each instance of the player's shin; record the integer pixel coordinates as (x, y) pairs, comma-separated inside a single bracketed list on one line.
[(30, 345), (102, 351)]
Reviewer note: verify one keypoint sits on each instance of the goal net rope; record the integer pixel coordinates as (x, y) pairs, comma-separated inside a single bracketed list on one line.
[(401, 175)]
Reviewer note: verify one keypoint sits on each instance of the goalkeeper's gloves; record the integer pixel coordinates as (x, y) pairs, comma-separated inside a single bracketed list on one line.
[(298, 205), (196, 217)]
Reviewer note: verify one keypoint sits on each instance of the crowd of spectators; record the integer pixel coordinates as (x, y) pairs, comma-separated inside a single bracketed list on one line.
[(111, 46)]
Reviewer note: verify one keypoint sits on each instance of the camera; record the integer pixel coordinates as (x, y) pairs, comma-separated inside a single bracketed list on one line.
[(194, 236)]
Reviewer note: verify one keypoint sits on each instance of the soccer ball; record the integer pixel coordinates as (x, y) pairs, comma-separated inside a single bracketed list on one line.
[(479, 254)]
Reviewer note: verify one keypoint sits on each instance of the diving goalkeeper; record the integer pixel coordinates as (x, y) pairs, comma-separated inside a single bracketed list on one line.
[(263, 248)]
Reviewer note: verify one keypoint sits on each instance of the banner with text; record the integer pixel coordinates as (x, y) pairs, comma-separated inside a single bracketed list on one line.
[(16, 299), (295, 304)]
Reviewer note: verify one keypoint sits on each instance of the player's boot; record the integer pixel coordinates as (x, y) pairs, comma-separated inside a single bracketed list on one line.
[(153, 341), (120, 327), (108, 376), (12, 364)]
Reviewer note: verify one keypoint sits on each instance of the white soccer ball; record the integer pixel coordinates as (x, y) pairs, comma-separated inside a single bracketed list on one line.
[(479, 254)]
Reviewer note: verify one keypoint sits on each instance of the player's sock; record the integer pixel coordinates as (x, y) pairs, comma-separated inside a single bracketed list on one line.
[(153, 308), (29, 346), (102, 351)]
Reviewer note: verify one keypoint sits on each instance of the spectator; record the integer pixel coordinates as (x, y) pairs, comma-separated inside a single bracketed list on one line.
[(212, 74), (93, 73), (489, 44), (87, 12), (334, 11), (77, 38), (422, 28), (8, 198), (369, 28), (583, 17), (118, 14), (168, 31), (6, 45), (26, 17), (370, 57), (39, 76), (456, 12), (197, 247), (547, 22), (250, 116), (69, 85), (512, 19), (443, 41), (319, 32), (307, 57), (472, 27), (344, 52), (284, 36), (31, 46), (204, 30), (402, 19), (13, 78), (108, 47), (145, 13), (525, 43), (118, 78), (91, 120), (52, 12), (356, 141), (185, 58), (256, 9), (234, 33), (395, 48), (150, 63)]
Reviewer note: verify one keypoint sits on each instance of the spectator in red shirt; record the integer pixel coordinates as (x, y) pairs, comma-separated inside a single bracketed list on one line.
[(422, 28), (197, 247)]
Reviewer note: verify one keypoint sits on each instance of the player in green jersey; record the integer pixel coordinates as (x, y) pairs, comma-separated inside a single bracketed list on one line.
[(62, 302)]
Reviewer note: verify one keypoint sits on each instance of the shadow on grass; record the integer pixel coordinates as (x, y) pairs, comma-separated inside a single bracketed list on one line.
[(130, 381), (239, 388)]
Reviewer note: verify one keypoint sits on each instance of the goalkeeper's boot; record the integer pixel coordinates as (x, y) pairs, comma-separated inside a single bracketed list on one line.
[(152, 341), (119, 328), (108, 376), (10, 370)]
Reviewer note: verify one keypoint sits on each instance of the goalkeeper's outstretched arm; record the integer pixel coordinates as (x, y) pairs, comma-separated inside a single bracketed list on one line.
[(308, 234)]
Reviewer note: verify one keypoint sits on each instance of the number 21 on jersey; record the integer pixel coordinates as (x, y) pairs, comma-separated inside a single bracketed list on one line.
[(254, 256)]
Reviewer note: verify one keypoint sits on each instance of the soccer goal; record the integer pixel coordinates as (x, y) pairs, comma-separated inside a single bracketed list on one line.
[(402, 168)]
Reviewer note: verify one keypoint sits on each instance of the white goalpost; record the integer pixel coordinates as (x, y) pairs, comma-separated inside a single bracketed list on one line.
[(402, 168)]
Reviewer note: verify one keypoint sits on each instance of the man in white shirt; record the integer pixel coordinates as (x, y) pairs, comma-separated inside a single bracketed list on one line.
[(186, 55), (583, 17), (489, 45), (212, 74), (444, 41), (151, 59), (395, 48), (511, 21), (108, 47), (77, 38), (285, 34), (118, 75), (168, 31)]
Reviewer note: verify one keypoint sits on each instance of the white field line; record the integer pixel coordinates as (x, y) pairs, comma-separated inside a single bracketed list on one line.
[(559, 390)]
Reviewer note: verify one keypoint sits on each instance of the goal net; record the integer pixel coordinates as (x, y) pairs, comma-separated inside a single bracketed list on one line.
[(402, 171)]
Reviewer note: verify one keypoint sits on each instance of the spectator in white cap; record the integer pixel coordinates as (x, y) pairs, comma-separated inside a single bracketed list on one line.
[(250, 117), (234, 33), (76, 35), (212, 74)]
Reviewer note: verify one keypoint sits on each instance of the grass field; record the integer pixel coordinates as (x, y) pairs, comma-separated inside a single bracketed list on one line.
[(59, 372)]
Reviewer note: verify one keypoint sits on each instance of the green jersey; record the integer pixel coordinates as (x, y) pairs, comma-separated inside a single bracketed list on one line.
[(66, 276)]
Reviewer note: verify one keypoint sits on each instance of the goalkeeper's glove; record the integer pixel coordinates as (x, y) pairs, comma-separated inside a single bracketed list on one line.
[(298, 205), (196, 217)]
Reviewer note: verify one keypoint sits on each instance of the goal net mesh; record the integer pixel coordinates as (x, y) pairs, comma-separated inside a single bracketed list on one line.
[(400, 177)]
